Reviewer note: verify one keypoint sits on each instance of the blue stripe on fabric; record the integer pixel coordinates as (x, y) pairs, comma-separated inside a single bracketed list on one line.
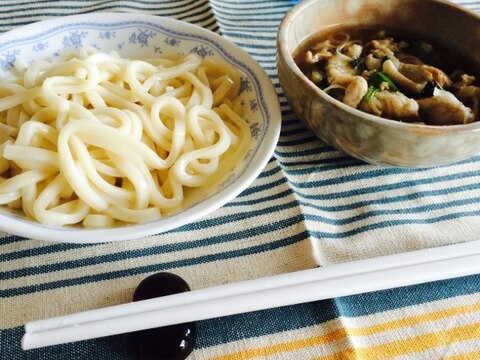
[(215, 29), (305, 140), (411, 210), (305, 152), (211, 25), (269, 67), (239, 24), (338, 160), (40, 3), (13, 239), (224, 3), (167, 248), (379, 172), (394, 222), (309, 138), (396, 199), (298, 129), (259, 188), (209, 333), (376, 172), (208, 25), (385, 300), (257, 200), (232, 10), (213, 222), (10, 239), (256, 189), (271, 321), (63, 12), (217, 331), (374, 188), (201, 224), (166, 6), (274, 13), (331, 163), (178, 247), (268, 173), (290, 116), (248, 45), (254, 27), (419, 193), (257, 249), (188, 18), (204, 10), (118, 347), (290, 120), (97, 7), (36, 251), (265, 36), (256, 54), (283, 319)]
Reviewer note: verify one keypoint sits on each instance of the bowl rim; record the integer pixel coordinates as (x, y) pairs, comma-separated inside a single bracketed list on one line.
[(16, 226), (287, 56)]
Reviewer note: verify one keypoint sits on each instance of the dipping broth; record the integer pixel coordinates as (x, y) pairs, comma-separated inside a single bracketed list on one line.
[(392, 75)]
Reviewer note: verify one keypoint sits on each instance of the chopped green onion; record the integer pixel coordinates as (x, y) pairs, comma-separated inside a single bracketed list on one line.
[(379, 77), (374, 82), (355, 63), (370, 94)]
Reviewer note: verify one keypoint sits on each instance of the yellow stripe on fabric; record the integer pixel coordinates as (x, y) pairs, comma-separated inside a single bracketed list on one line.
[(408, 345), (365, 331), (472, 355), (285, 347), (414, 320)]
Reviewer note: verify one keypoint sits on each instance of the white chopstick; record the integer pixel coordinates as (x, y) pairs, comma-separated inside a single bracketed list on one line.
[(281, 290)]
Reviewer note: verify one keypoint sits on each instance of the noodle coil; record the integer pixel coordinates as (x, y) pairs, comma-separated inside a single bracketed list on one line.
[(94, 139)]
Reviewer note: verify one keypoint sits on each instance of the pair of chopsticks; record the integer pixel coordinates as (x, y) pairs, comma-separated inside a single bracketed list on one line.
[(281, 290)]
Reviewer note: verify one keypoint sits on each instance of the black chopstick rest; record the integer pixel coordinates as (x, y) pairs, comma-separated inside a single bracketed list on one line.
[(174, 342)]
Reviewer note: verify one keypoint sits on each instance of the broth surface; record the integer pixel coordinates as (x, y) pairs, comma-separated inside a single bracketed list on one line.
[(392, 75)]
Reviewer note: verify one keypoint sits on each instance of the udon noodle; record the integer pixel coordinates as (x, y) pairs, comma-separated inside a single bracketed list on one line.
[(94, 139)]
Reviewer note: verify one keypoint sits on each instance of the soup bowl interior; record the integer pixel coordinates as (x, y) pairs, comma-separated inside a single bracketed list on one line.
[(362, 135)]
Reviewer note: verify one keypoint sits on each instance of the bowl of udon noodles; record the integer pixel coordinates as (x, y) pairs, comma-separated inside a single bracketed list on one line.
[(391, 82), (115, 126)]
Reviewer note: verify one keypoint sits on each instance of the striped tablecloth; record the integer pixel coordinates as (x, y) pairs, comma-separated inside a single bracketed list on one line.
[(311, 206)]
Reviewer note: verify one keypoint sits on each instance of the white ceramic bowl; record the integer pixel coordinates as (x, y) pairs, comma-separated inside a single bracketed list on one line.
[(136, 35)]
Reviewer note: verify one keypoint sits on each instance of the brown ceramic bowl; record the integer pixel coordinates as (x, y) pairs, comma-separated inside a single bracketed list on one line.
[(364, 136)]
